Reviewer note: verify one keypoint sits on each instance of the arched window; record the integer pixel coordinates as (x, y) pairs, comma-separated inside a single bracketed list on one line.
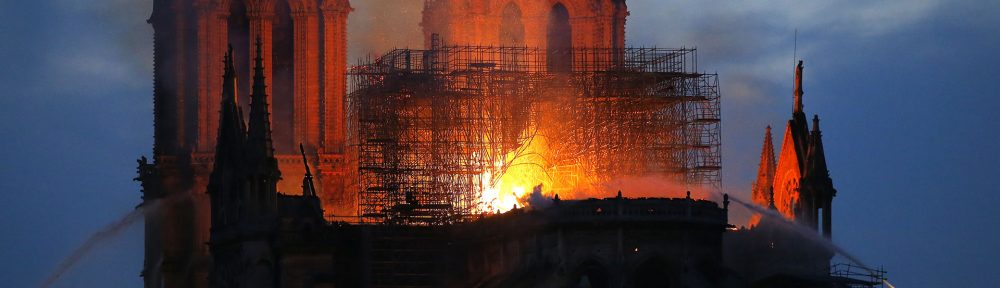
[(511, 27), (560, 40)]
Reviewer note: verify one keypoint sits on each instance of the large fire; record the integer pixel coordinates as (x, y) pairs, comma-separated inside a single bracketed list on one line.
[(516, 175), (458, 131), (534, 170), (539, 168)]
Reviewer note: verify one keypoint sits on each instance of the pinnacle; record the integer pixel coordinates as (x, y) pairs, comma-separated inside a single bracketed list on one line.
[(259, 132)]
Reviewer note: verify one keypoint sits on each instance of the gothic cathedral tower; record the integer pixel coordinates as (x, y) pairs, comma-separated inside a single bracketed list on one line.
[(303, 47), (798, 185), (531, 23)]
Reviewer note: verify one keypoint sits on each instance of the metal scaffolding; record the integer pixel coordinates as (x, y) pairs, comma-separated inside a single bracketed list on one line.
[(425, 126)]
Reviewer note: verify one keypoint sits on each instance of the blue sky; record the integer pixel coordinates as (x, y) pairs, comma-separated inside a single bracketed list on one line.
[(907, 92)]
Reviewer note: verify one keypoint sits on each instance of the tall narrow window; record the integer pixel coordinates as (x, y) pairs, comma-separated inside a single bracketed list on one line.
[(560, 40), (511, 29), (283, 56)]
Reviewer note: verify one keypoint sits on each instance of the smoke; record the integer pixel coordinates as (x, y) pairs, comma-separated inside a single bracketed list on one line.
[(629, 186), (802, 230), (377, 26), (653, 186), (108, 232), (537, 200), (126, 20), (114, 44), (806, 232)]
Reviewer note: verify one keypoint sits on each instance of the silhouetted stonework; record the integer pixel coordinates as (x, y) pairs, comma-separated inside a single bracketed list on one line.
[(303, 49), (226, 224), (260, 238), (611, 242)]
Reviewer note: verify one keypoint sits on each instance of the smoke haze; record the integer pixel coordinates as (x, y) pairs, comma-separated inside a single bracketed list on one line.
[(377, 26), (802, 230), (654, 186)]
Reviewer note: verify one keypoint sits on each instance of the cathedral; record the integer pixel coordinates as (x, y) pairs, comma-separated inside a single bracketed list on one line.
[(303, 51), (274, 198)]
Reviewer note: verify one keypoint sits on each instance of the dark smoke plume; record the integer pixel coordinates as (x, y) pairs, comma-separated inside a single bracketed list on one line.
[(537, 200)]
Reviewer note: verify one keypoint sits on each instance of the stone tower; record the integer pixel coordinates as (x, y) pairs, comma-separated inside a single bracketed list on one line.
[(553, 25), (801, 188), (243, 191), (303, 54), (532, 23)]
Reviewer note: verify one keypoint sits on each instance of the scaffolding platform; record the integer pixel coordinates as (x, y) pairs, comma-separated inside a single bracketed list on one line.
[(428, 127)]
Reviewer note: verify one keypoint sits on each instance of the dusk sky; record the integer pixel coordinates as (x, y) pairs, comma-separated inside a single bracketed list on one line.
[(907, 92)]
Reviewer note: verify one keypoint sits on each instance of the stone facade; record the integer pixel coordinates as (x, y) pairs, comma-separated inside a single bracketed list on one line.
[(531, 23), (555, 26), (305, 85)]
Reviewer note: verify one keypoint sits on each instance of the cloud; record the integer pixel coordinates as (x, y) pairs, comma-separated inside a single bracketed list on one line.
[(117, 55), (756, 37), (864, 18), (88, 68), (751, 45)]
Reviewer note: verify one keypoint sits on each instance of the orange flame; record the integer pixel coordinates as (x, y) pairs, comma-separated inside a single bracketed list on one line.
[(512, 178), (540, 162)]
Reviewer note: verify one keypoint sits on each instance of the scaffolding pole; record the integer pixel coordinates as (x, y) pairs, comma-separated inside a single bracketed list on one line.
[(427, 126)]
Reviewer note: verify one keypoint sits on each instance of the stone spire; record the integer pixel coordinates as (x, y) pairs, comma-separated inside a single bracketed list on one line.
[(817, 171), (799, 124), (817, 176), (259, 134), (797, 93), (263, 167), (815, 124), (763, 186), (232, 130), (226, 181)]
